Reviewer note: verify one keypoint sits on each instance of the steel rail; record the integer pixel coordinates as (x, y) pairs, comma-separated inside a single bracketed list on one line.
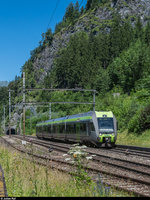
[(96, 170)]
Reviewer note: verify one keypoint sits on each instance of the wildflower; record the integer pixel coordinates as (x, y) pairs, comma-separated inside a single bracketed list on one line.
[(89, 158), (67, 159), (75, 155)]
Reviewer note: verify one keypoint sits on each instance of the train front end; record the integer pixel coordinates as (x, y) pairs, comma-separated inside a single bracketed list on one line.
[(107, 128)]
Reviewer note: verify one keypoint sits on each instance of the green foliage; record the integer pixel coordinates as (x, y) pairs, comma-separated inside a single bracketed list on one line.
[(147, 34), (121, 35), (82, 63), (140, 121), (31, 121), (123, 106), (94, 3), (144, 119), (138, 29), (47, 39), (114, 55), (79, 157), (72, 14), (134, 125), (130, 66)]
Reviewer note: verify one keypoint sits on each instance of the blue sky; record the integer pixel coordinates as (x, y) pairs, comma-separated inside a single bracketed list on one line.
[(22, 22)]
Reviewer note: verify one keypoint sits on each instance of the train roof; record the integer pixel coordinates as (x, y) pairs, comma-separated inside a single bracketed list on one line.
[(77, 117), (104, 114), (69, 118)]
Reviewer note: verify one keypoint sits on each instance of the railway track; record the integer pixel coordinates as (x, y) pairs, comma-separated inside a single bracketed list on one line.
[(132, 150), (123, 173)]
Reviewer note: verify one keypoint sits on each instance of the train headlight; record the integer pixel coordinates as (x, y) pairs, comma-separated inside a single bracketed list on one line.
[(100, 134)]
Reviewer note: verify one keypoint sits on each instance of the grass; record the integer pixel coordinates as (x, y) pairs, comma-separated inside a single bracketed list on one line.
[(141, 140), (26, 179)]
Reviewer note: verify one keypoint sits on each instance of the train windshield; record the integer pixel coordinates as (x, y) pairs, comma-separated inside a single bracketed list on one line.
[(105, 124)]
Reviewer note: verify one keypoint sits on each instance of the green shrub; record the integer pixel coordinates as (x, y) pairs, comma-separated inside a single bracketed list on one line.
[(140, 121), (134, 125), (144, 119)]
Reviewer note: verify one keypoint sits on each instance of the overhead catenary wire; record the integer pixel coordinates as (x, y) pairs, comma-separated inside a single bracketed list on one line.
[(81, 4), (57, 3)]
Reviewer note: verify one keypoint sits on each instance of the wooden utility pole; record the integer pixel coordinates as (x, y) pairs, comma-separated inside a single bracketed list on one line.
[(4, 119), (94, 91), (24, 109), (9, 111)]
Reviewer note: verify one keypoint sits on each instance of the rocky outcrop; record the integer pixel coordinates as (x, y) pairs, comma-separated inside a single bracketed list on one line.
[(91, 21)]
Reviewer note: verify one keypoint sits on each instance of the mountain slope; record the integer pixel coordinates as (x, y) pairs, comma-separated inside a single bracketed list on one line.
[(95, 20)]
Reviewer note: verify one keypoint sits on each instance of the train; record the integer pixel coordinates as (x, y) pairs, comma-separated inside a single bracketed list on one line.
[(90, 128)]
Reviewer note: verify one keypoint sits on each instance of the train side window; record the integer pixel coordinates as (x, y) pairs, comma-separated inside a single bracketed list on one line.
[(40, 128), (72, 130), (54, 129), (49, 129), (83, 128), (78, 128), (61, 128), (43, 128), (46, 129), (67, 128), (92, 127)]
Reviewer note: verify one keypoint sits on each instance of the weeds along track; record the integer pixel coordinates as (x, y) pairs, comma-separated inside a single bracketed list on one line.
[(122, 171), (3, 190)]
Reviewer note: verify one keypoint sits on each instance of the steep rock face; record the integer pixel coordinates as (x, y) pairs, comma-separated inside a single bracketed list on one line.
[(93, 21), (134, 8)]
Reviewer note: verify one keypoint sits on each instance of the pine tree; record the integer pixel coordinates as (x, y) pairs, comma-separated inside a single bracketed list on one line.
[(89, 4), (76, 10), (92, 3), (147, 34), (82, 10), (115, 36), (48, 38), (69, 15), (127, 35), (138, 29)]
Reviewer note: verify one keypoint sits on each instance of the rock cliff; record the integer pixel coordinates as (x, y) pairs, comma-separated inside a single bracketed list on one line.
[(93, 20)]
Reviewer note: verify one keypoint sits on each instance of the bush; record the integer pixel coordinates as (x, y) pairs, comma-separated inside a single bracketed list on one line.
[(144, 119), (140, 121), (134, 125)]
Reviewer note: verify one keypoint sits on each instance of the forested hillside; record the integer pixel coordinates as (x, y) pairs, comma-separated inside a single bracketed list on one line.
[(98, 47)]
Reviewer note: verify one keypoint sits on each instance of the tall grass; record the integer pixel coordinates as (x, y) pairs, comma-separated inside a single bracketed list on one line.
[(142, 140), (26, 179)]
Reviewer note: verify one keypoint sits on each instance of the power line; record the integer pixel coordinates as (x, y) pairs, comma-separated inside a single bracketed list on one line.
[(81, 4), (56, 9), (53, 13)]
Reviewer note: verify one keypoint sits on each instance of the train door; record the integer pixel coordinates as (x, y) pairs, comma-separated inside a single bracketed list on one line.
[(78, 131)]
